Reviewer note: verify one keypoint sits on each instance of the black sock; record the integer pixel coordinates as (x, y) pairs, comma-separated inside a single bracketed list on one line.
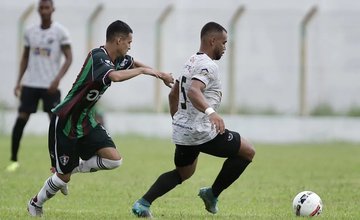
[(16, 136), (164, 183), (231, 171)]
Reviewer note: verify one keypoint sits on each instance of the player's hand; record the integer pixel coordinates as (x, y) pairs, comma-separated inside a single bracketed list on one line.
[(217, 122), (168, 79), (54, 86), (17, 90)]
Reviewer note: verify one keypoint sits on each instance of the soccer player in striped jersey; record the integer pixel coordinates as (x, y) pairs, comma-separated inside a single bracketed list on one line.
[(197, 127), (77, 142), (40, 72)]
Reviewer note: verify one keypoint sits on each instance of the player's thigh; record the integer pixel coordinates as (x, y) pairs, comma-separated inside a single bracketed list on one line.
[(50, 100), (29, 99), (185, 155), (185, 160), (98, 142), (223, 145), (63, 150)]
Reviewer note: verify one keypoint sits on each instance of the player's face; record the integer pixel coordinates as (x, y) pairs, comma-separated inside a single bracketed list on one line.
[(124, 44), (220, 45), (45, 10)]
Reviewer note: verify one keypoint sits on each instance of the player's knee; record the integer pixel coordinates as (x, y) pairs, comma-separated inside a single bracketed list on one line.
[(251, 152), (111, 164), (23, 116), (247, 152)]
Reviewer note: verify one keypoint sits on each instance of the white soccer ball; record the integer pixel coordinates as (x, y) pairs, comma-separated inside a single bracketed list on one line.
[(307, 203)]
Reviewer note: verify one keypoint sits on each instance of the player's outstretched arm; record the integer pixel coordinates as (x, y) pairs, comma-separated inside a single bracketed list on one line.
[(122, 75)]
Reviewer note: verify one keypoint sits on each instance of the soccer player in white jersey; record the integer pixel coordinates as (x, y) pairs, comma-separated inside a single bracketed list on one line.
[(197, 127), (40, 71)]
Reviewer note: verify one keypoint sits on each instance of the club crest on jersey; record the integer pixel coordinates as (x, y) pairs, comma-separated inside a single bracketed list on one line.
[(50, 40), (204, 71), (230, 137), (64, 159), (123, 63)]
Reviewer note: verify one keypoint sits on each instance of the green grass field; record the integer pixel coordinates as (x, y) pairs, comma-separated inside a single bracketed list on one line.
[(264, 191)]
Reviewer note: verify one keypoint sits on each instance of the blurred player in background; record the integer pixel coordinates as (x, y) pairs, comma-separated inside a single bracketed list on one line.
[(197, 127), (40, 72), (77, 142)]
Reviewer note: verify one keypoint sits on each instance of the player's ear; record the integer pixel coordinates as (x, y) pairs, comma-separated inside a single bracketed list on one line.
[(118, 40), (212, 40)]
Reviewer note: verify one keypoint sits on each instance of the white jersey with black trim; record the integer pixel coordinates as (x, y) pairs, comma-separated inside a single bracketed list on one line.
[(45, 54), (191, 126)]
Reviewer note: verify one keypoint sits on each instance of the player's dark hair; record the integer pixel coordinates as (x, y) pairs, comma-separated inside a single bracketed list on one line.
[(116, 28), (51, 1), (210, 28)]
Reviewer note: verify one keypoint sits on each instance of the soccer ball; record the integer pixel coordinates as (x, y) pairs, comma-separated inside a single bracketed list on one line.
[(307, 203)]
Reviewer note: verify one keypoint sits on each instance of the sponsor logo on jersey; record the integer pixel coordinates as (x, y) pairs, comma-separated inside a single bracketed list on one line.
[(107, 62), (93, 95), (46, 52)]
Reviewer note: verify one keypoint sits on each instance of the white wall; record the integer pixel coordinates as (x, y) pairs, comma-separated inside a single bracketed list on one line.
[(267, 129), (267, 48)]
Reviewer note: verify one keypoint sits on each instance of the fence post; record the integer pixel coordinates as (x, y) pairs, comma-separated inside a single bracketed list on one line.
[(232, 58), (21, 26), (158, 53), (303, 109), (90, 24)]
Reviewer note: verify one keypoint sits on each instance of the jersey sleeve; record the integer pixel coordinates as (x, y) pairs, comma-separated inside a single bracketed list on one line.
[(125, 63), (204, 74), (27, 38), (64, 36), (102, 66)]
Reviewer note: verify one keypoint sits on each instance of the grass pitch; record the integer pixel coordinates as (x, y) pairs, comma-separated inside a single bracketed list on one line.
[(264, 191)]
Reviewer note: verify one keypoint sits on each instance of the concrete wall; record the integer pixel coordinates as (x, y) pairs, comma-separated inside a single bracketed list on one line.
[(274, 129), (266, 51)]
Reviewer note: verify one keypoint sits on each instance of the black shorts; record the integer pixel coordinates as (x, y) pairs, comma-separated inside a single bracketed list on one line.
[(30, 99), (223, 145), (65, 152)]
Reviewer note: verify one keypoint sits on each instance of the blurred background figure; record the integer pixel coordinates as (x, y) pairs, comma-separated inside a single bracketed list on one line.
[(40, 71)]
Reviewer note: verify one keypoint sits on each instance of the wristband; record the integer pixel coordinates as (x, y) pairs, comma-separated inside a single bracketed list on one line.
[(209, 111)]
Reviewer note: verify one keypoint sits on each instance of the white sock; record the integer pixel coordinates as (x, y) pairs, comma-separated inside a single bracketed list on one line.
[(51, 186), (96, 163)]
